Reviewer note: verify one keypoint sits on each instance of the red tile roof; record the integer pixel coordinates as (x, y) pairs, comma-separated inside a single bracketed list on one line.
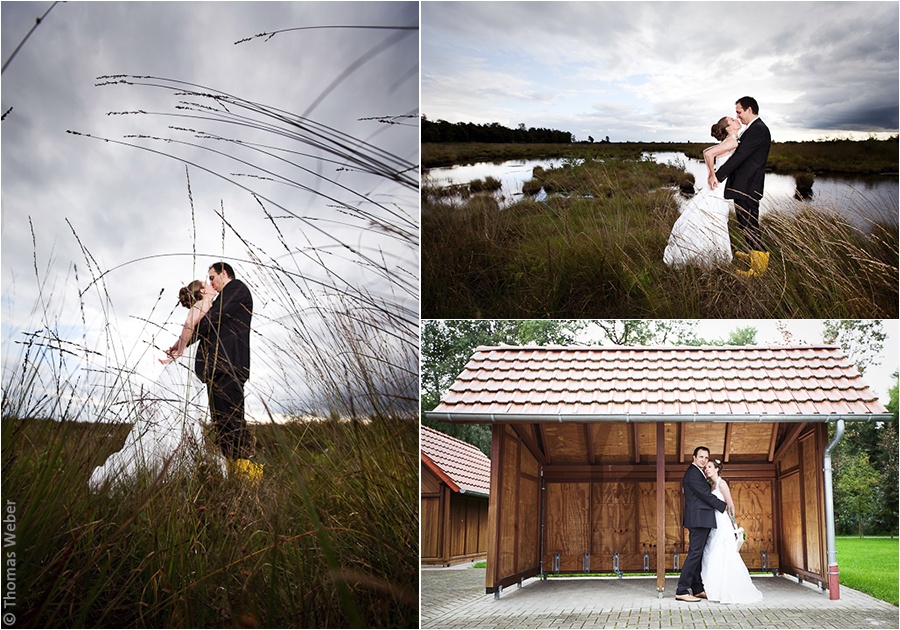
[(733, 383), (463, 466)]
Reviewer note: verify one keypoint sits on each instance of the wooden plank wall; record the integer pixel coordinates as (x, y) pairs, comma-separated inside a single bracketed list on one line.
[(622, 518), (430, 517), (802, 500), (468, 526), (514, 515), (453, 525)]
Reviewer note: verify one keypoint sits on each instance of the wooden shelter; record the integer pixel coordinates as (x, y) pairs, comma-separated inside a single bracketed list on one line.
[(590, 444), (455, 484)]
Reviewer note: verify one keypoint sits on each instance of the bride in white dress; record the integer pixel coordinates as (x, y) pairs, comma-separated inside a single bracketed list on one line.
[(167, 434), (700, 235), (723, 572)]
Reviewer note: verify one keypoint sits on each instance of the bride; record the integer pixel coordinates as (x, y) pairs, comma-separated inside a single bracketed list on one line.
[(723, 572), (700, 235), (166, 434)]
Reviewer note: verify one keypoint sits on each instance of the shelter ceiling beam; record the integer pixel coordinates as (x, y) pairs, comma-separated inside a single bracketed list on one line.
[(646, 472), (793, 432), (542, 435), (772, 441), (589, 441), (526, 433), (726, 449), (636, 439)]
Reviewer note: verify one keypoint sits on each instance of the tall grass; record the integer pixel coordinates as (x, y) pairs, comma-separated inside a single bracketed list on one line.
[(595, 249), (329, 537)]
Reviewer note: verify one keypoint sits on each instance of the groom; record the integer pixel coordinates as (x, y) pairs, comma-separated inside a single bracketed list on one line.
[(745, 172), (699, 518), (223, 363)]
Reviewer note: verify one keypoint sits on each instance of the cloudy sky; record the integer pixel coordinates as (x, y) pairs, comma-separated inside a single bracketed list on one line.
[(663, 71), (129, 209)]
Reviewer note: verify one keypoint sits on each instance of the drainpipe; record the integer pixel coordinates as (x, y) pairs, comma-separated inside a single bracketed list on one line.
[(834, 586)]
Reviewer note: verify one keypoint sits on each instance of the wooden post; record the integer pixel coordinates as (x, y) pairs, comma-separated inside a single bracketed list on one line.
[(492, 574), (660, 508)]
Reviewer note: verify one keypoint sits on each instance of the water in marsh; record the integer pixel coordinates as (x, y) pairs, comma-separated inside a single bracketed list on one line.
[(860, 199)]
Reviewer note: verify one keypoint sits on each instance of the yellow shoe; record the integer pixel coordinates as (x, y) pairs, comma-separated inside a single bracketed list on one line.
[(759, 262), (251, 470), (742, 255)]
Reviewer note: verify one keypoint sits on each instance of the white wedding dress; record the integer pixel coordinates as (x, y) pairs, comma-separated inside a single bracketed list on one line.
[(722, 570), (700, 235), (167, 434)]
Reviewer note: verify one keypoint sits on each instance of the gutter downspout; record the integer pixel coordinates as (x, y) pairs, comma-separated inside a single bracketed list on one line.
[(834, 586)]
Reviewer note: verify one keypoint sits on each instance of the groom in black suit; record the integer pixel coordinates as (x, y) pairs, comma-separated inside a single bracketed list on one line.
[(223, 363), (745, 172), (699, 518)]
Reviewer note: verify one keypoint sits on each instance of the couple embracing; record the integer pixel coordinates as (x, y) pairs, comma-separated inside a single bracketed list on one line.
[(167, 432), (714, 569), (700, 235)]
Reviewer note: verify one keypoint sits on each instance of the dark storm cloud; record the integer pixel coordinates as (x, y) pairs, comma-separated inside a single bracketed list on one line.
[(666, 67), (126, 204)]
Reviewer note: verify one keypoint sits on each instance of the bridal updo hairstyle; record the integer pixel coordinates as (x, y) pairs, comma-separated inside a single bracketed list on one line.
[(720, 129), (190, 294)]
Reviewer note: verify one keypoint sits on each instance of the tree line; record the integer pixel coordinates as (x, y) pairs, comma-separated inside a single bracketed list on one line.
[(865, 462), (443, 131)]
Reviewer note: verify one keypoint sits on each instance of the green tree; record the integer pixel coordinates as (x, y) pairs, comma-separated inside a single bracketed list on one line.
[(886, 520), (861, 339), (863, 343), (643, 332), (448, 345), (856, 490)]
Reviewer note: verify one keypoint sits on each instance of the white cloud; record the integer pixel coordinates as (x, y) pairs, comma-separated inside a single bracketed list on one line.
[(669, 62)]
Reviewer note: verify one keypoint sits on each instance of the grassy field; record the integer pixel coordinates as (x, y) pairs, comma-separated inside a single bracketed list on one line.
[(328, 538), (596, 248), (869, 565)]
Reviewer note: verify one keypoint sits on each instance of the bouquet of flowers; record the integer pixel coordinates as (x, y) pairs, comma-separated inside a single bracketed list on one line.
[(739, 537)]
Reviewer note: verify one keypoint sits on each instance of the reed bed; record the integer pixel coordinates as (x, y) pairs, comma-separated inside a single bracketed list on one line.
[(595, 248)]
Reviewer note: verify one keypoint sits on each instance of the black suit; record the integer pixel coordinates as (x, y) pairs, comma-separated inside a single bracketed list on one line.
[(745, 171), (699, 517), (223, 363)]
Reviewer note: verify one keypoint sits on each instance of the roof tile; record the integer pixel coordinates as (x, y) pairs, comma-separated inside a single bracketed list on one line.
[(776, 381), (464, 463)]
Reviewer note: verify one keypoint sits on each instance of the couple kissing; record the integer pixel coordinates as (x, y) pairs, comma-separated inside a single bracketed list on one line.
[(700, 236)]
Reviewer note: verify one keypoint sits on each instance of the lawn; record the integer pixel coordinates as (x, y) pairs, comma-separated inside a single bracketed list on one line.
[(869, 565)]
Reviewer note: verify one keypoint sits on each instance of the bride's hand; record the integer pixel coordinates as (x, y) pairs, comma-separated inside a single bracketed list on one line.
[(712, 181), (171, 354)]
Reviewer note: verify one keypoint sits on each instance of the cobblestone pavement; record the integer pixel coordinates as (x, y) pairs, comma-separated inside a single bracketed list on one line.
[(455, 598)]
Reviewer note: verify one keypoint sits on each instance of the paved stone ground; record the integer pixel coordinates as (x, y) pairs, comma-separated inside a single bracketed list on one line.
[(455, 598)]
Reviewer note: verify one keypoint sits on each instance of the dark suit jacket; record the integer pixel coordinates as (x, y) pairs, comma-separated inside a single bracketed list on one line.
[(745, 170), (224, 334), (699, 501)]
